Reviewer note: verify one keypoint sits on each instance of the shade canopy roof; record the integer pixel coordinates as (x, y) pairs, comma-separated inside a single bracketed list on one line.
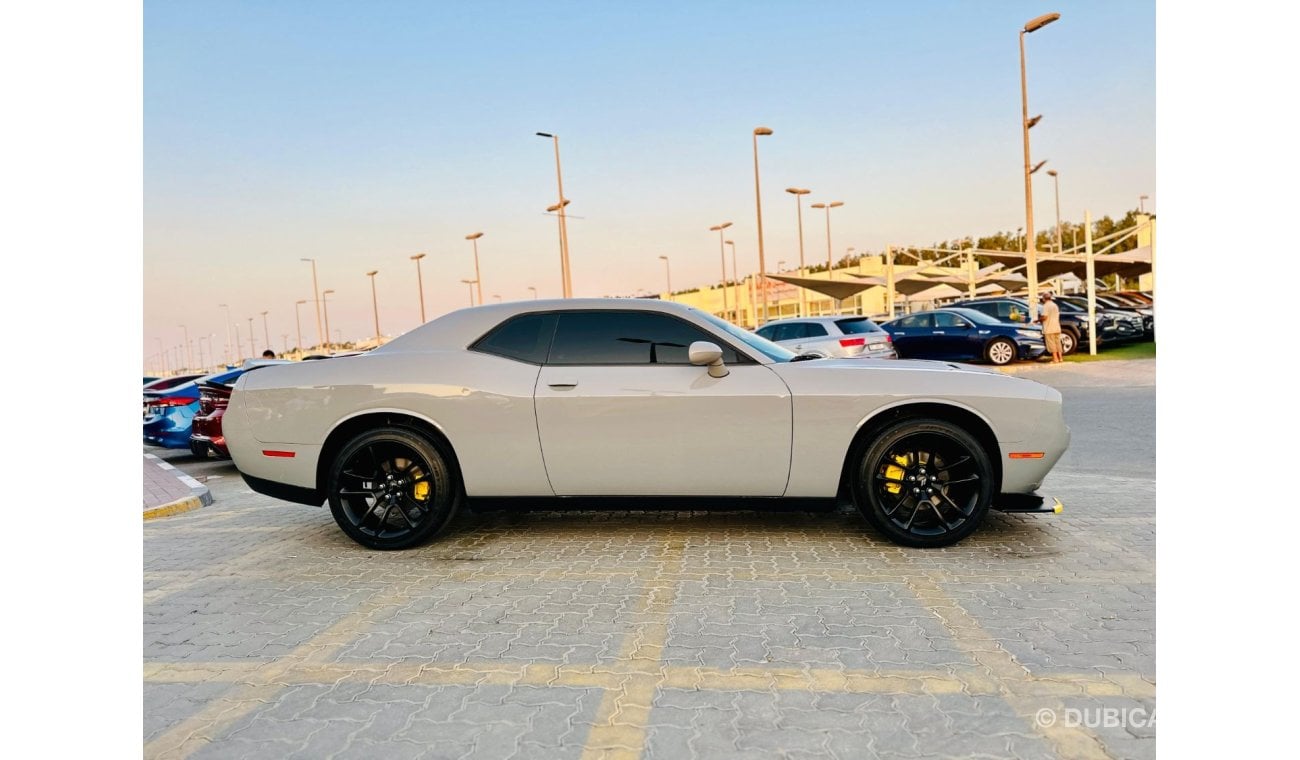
[(1125, 263), (837, 289)]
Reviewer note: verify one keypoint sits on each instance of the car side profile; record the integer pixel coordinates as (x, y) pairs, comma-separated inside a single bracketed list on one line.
[(843, 337), (636, 403), (964, 335), (1074, 325)]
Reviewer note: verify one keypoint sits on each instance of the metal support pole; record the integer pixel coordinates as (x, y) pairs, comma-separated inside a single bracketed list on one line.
[(889, 280), (1092, 284)]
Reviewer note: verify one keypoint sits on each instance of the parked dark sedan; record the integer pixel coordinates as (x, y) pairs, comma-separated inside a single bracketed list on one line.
[(1130, 323), (1074, 321), (964, 334)]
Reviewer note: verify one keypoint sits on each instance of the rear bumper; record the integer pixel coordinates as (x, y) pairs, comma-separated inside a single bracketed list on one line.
[(1028, 502), (296, 494)]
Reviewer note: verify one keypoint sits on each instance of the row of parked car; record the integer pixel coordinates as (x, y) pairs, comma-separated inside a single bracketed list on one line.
[(996, 330)]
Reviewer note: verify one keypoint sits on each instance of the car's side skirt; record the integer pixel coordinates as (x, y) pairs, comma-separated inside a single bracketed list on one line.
[(648, 503)]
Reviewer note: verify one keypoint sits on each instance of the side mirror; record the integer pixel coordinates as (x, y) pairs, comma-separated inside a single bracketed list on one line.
[(703, 353)]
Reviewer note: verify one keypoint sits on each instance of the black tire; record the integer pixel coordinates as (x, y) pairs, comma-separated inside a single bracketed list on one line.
[(392, 488), (1001, 351), (924, 483), (1069, 342)]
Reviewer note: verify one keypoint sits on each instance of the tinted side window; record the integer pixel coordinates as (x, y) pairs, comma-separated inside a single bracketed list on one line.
[(625, 338), (814, 330), (768, 332), (915, 321), (525, 338), (781, 332), (947, 319)]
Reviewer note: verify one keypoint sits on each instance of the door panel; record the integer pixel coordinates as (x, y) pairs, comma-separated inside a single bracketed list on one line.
[(664, 430)]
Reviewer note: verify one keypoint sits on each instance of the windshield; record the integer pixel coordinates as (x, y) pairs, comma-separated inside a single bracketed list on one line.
[(858, 325), (757, 342)]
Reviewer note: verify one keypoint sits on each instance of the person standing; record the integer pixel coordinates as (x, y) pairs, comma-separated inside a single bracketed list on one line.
[(1049, 315)]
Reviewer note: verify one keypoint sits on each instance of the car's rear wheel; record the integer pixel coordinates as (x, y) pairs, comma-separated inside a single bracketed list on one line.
[(1000, 351), (392, 488), (924, 482)]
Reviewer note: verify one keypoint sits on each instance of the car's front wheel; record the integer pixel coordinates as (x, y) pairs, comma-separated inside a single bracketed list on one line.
[(924, 482), (1069, 342), (1001, 351), (392, 488)]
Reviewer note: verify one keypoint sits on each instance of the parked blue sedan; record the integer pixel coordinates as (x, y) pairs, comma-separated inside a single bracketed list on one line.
[(964, 334), (169, 414)]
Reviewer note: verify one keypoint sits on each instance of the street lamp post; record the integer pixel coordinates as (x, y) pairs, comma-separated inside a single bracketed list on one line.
[(189, 359), (374, 296), (252, 342), (471, 284), (325, 305), (239, 344), (419, 278), (530, 287), (668, 275), (1056, 184), (230, 347), (297, 319), (567, 281), (1031, 259), (478, 279), (722, 254), (758, 205), (735, 281), (315, 291), (203, 364), (1142, 206), (162, 354), (798, 193), (830, 265), (266, 331)]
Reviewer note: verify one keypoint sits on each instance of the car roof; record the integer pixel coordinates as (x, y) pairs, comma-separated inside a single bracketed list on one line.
[(823, 320)]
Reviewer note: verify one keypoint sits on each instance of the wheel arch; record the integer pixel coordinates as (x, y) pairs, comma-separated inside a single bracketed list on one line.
[(958, 414), (349, 427)]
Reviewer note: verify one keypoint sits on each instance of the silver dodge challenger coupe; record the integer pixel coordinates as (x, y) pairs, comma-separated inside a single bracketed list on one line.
[(592, 403)]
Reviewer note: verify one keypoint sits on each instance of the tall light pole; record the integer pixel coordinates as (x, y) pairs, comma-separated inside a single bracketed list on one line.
[(285, 338), (565, 276), (315, 292), (1142, 206), (325, 305), (230, 347), (722, 254), (189, 359), (668, 274), (252, 342), (471, 284), (478, 279), (830, 265), (162, 353), (758, 204), (530, 287), (266, 331), (419, 278), (202, 363), (1031, 257), (1056, 183), (374, 296), (798, 193), (735, 281), (239, 344), (297, 319)]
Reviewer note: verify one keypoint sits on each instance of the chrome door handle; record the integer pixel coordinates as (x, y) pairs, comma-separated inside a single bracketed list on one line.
[(563, 384)]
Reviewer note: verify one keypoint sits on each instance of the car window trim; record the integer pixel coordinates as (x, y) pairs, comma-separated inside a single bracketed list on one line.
[(743, 355)]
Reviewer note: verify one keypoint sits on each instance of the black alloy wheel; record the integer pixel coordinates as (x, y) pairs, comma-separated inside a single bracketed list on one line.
[(392, 488), (924, 482)]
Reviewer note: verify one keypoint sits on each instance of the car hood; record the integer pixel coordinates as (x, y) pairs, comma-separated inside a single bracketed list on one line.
[(927, 365)]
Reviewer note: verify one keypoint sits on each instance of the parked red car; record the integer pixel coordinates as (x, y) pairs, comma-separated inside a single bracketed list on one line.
[(206, 437)]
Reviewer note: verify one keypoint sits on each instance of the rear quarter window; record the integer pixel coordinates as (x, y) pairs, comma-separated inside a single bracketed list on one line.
[(525, 338)]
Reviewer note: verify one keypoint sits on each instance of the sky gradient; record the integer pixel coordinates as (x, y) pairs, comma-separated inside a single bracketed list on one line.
[(363, 133)]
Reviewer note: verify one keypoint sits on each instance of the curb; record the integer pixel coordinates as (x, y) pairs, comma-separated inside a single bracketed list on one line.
[(199, 496)]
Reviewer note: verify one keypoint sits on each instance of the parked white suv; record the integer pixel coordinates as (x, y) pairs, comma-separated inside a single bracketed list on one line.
[(831, 337)]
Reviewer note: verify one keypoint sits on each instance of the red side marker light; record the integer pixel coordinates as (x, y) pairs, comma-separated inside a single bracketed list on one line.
[(288, 454), (1025, 455)]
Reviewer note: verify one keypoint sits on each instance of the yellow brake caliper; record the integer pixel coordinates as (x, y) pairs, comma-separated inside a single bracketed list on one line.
[(894, 472)]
